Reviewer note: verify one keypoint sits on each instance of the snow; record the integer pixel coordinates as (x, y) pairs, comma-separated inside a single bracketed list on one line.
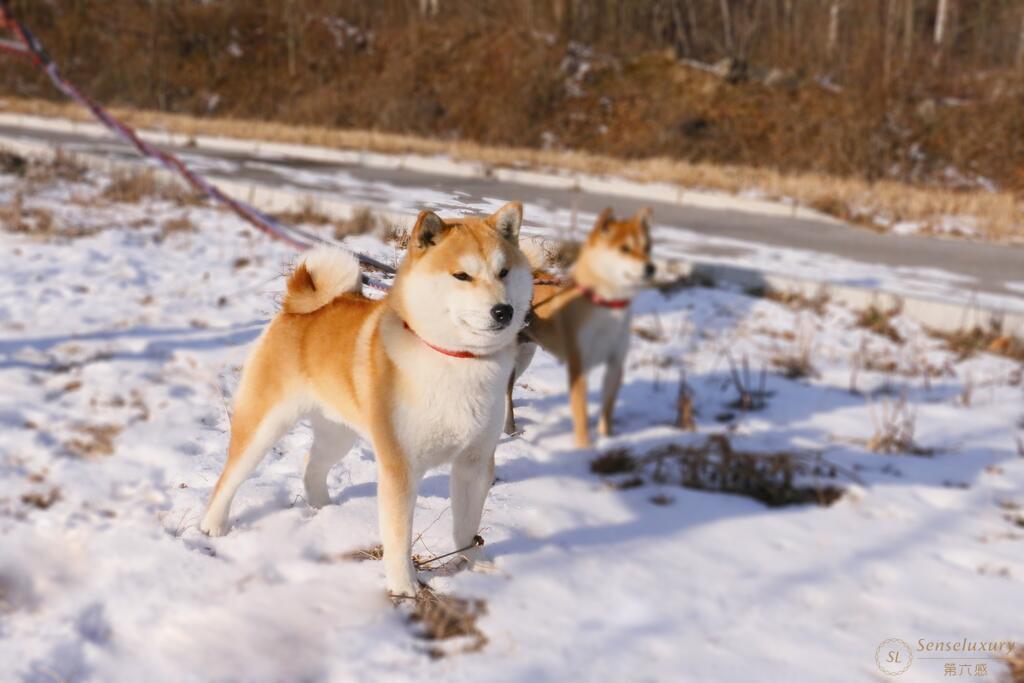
[(370, 187), (129, 338)]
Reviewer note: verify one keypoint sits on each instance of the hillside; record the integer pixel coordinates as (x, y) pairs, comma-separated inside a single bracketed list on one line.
[(645, 81)]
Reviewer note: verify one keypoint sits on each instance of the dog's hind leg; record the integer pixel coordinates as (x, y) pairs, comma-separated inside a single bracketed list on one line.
[(255, 428), (524, 355), (331, 441)]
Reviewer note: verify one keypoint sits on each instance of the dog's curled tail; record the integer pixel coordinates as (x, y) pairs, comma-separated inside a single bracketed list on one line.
[(324, 274)]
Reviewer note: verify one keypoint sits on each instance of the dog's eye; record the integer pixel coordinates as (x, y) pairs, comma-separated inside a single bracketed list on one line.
[(624, 249), (503, 273), (465, 277)]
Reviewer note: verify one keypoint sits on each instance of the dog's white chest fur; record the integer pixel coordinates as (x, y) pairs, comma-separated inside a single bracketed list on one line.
[(603, 335), (449, 406)]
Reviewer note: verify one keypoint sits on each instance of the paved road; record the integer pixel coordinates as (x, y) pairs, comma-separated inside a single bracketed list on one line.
[(841, 253)]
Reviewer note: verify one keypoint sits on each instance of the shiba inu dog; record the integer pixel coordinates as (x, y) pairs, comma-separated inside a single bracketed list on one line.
[(587, 324), (419, 374)]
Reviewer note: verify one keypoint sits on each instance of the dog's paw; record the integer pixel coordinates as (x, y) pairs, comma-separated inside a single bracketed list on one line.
[(213, 527), (318, 500), (402, 589)]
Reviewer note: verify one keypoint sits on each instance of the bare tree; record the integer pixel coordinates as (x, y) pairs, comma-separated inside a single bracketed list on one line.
[(941, 22), (683, 47), (727, 25), (908, 29), (430, 8), (1020, 44), (833, 27)]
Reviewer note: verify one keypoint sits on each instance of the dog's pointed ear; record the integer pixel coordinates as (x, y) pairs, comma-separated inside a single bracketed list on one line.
[(643, 218), (427, 231), (604, 221), (507, 220)]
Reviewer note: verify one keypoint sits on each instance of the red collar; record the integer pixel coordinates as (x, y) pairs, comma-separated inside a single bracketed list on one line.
[(600, 301), (447, 352)]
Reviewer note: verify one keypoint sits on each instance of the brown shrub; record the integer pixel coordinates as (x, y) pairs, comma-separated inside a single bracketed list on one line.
[(792, 299), (879, 322), (129, 187), (363, 221), (1015, 666), (176, 225), (613, 462), (894, 427), (966, 343), (42, 501), (61, 166), (96, 440), (13, 164), (775, 479), (441, 617), (18, 218)]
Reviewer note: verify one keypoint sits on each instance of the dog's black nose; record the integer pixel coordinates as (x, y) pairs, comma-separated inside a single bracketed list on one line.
[(502, 313), (649, 270)]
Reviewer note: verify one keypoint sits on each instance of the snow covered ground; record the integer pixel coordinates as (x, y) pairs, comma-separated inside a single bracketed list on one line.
[(122, 330)]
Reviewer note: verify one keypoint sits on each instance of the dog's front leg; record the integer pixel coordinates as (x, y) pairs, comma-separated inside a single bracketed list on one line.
[(396, 499), (609, 392), (578, 398), (472, 474)]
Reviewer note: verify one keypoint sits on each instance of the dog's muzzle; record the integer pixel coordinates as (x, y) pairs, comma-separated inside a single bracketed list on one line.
[(502, 314)]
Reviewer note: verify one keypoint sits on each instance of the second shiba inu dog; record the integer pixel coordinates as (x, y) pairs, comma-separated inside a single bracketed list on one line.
[(419, 374), (587, 324)]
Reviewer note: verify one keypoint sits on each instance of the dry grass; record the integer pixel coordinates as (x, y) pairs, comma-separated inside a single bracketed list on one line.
[(775, 479), (685, 410), (442, 617), (1015, 666), (363, 221), (792, 299), (41, 500), (177, 225), (373, 553), (894, 426), (750, 398), (1000, 215), (880, 322), (559, 255), (16, 217), (966, 343), (61, 167), (95, 440), (13, 164), (396, 235), (130, 187), (618, 461), (796, 362)]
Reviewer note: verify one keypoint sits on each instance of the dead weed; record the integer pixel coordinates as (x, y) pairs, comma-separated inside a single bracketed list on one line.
[(880, 322), (775, 479), (41, 500), (967, 343), (130, 187), (894, 426), (1015, 666), (443, 617), (95, 440)]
